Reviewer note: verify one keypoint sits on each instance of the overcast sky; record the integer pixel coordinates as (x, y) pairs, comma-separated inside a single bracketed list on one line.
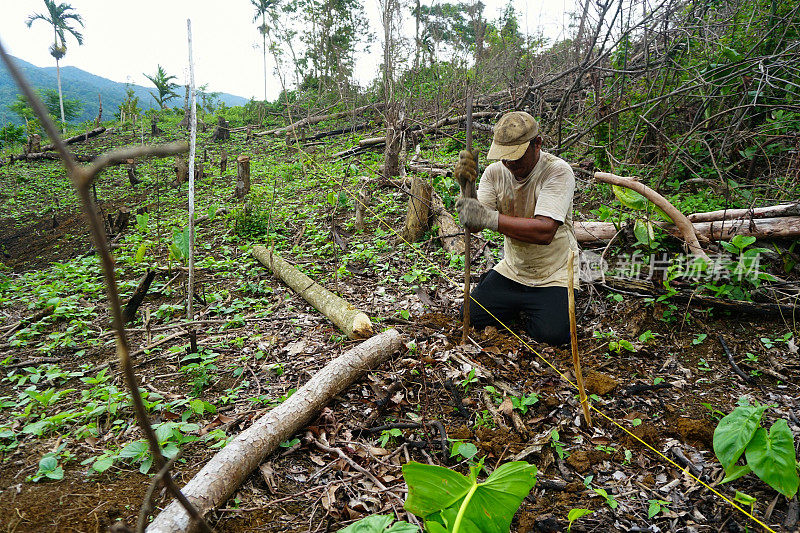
[(124, 40)]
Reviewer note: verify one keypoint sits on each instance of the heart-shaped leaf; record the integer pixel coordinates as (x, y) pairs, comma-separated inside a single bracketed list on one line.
[(772, 458), (735, 431)]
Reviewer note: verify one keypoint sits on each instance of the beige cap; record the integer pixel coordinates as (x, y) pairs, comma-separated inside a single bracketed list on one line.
[(512, 135)]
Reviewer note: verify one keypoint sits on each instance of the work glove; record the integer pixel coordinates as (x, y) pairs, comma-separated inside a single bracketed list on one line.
[(475, 216), (466, 170)]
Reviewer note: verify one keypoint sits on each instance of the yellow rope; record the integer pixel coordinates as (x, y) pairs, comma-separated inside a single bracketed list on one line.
[(548, 363)]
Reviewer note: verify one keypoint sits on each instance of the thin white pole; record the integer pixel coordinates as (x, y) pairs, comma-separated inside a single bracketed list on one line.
[(192, 143)]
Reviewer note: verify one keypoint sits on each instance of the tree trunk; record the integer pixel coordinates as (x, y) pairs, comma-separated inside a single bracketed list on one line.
[(761, 228), (394, 137), (242, 176), (61, 99), (226, 471), (349, 319), (223, 163), (34, 144), (418, 209), (99, 111), (132, 177)]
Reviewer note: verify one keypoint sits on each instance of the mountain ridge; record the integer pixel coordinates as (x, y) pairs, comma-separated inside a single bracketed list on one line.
[(81, 85)]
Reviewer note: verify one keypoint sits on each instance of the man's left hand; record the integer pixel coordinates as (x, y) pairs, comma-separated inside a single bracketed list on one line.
[(475, 216)]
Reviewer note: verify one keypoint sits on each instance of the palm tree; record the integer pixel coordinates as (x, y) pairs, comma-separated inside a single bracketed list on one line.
[(262, 7), (164, 86), (59, 16)]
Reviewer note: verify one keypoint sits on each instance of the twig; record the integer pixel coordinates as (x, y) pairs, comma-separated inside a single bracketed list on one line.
[(733, 364), (346, 458), (147, 504)]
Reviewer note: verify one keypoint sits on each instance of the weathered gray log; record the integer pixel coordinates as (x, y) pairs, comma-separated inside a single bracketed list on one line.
[(761, 228), (226, 471), (350, 320), (78, 138), (781, 210)]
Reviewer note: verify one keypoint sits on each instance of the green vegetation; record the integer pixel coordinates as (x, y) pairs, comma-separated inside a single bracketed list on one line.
[(769, 455)]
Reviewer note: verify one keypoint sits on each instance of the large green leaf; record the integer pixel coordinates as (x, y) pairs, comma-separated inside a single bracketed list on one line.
[(486, 507), (432, 488), (630, 198), (497, 499), (735, 431), (735, 472), (643, 230), (772, 458)]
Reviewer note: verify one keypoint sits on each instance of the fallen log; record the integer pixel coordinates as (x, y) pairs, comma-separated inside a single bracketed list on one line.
[(332, 133), (762, 228), (781, 210), (319, 118), (349, 319), (687, 231), (49, 156), (226, 471), (78, 138)]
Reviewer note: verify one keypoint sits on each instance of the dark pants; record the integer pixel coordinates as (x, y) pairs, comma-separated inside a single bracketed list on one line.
[(544, 310)]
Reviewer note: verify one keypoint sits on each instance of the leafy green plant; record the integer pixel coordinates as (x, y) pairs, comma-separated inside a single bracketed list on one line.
[(699, 339), (769, 455), (388, 435), (450, 502), (467, 450), (522, 403), (469, 380), (48, 469), (555, 442), (610, 500), (657, 506), (575, 514), (380, 524)]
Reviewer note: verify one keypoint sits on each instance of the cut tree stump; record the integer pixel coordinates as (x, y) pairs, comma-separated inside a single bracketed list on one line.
[(242, 176), (350, 320), (181, 172), (34, 144), (154, 129), (226, 471), (419, 208), (222, 132), (223, 163)]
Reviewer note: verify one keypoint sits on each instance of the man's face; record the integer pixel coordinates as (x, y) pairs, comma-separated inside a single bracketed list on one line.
[(521, 167)]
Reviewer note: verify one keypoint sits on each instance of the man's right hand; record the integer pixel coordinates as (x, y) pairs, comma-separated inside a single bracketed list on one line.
[(466, 170)]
